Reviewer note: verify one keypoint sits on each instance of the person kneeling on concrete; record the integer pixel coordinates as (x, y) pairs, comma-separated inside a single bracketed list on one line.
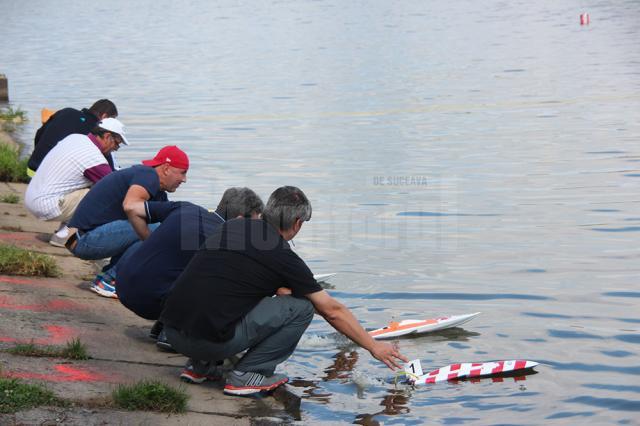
[(149, 268), (68, 171), (223, 302), (68, 121), (105, 221)]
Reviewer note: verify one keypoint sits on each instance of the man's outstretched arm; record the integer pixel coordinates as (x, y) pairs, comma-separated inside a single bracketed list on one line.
[(341, 318), (136, 196)]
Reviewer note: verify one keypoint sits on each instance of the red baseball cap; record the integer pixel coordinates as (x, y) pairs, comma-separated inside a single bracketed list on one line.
[(171, 155)]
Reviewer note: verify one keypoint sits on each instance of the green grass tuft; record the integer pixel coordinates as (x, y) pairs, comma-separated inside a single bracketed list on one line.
[(16, 396), (12, 168), (15, 115), (10, 198), (29, 349), (151, 396), (17, 261), (75, 349)]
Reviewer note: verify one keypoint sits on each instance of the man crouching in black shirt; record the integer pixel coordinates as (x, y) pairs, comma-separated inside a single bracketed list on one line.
[(223, 302)]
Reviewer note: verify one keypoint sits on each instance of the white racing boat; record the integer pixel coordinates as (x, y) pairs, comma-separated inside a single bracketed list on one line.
[(405, 327), (322, 278)]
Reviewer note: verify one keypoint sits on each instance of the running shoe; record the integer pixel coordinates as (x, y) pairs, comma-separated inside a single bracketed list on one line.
[(155, 330), (248, 383), (104, 288), (60, 237), (57, 241), (163, 343), (196, 372)]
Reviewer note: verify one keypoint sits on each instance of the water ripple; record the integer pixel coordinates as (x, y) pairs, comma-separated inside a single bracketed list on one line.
[(616, 404), (625, 229), (439, 214), (592, 368), (616, 388), (542, 315), (618, 354), (622, 293), (629, 338), (569, 334), (565, 414), (439, 296)]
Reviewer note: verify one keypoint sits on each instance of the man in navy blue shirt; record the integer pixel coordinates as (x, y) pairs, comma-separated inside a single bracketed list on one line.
[(105, 221), (148, 269)]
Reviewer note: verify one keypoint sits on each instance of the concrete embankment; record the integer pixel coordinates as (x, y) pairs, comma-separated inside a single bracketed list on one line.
[(52, 311)]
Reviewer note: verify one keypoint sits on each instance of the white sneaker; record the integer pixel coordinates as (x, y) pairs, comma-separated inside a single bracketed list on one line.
[(60, 237), (57, 241)]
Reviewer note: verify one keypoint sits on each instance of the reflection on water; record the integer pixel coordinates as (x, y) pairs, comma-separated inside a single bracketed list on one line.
[(460, 157)]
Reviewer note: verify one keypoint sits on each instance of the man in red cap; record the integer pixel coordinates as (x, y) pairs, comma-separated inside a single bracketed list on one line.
[(105, 225)]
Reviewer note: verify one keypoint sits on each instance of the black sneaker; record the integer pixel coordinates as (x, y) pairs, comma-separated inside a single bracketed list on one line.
[(155, 330), (250, 383), (196, 372), (163, 343)]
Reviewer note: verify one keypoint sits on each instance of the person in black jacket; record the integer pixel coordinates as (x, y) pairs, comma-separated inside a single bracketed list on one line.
[(68, 121)]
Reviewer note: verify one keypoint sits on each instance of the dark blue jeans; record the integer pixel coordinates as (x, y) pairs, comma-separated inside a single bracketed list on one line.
[(109, 240)]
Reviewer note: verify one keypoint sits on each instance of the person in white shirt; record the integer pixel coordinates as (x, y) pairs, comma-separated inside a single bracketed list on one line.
[(69, 170)]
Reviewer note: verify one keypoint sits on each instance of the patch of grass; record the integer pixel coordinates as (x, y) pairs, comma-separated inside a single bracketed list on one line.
[(30, 349), (10, 118), (16, 396), (10, 198), (151, 396), (12, 168), (15, 115), (75, 349), (17, 261)]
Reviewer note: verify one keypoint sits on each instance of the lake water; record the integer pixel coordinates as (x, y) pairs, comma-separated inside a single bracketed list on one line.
[(459, 156)]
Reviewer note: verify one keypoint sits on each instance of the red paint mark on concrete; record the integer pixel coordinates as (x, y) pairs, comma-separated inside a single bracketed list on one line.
[(53, 305), (58, 334), (64, 373), (12, 280), (17, 236)]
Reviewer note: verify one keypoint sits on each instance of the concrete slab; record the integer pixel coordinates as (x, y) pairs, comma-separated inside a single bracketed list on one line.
[(16, 216), (49, 311), (90, 417)]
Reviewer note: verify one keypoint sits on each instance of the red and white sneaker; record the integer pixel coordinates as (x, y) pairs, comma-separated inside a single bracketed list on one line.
[(196, 372), (251, 383)]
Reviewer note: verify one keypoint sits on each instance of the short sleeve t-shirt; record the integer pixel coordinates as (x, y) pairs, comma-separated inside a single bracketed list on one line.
[(145, 279), (103, 203), (62, 172), (244, 261)]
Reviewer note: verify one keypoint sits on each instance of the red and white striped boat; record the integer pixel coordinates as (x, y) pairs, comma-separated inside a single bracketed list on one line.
[(466, 370)]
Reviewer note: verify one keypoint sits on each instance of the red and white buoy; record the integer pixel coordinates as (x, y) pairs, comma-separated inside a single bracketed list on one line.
[(584, 19)]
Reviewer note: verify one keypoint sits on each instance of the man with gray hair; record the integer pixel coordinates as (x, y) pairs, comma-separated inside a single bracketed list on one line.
[(148, 269), (223, 302)]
